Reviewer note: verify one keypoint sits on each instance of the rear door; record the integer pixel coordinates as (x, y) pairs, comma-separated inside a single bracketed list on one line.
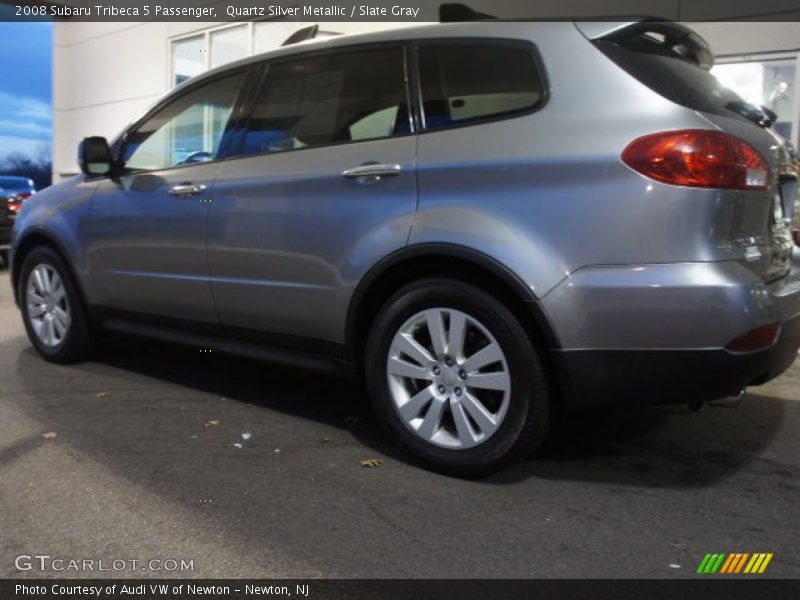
[(325, 186), (147, 246)]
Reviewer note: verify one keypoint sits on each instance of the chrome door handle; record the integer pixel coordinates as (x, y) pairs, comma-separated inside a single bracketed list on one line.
[(372, 171), (187, 189)]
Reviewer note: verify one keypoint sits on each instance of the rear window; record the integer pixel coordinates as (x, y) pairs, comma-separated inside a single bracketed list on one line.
[(672, 76), (469, 84)]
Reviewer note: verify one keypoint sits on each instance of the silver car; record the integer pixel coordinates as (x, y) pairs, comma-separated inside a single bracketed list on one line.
[(493, 224)]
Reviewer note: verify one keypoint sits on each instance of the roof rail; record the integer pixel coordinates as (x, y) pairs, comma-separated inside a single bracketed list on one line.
[(456, 12)]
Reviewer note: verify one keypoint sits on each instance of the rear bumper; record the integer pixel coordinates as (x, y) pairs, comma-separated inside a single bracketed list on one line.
[(655, 334), (595, 379)]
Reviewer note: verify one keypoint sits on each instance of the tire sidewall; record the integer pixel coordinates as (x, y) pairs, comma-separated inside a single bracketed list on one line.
[(528, 383)]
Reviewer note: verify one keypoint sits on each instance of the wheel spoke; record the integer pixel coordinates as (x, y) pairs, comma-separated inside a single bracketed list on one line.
[(433, 419), (47, 277), (402, 368), (463, 428), (35, 310), (58, 292), (49, 332), (410, 410), (35, 298), (486, 356), (482, 417), (489, 381), (39, 281), (413, 349), (59, 328), (458, 328), (62, 316), (436, 330)]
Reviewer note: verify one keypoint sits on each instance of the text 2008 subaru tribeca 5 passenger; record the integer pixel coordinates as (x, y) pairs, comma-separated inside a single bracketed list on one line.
[(494, 222)]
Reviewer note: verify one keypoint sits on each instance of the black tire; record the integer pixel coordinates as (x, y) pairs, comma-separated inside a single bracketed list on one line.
[(526, 421), (78, 341)]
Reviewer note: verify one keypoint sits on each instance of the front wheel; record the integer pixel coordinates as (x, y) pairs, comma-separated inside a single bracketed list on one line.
[(453, 374), (52, 310)]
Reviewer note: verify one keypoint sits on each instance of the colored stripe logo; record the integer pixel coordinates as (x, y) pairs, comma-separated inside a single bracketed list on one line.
[(735, 563)]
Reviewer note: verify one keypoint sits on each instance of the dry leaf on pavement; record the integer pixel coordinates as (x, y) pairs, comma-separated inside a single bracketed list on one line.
[(371, 463), (50, 435), (211, 423)]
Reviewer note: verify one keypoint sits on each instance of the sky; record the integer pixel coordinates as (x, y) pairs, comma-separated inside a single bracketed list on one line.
[(25, 87)]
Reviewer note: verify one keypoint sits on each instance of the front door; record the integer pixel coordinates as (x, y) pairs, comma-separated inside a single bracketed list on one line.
[(147, 252)]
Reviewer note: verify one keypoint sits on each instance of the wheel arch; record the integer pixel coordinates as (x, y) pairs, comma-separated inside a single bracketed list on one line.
[(36, 238), (447, 260)]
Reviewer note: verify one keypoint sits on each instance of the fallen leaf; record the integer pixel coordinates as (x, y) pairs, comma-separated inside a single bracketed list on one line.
[(237, 445), (101, 395), (211, 423), (325, 440), (50, 435), (247, 436), (371, 463)]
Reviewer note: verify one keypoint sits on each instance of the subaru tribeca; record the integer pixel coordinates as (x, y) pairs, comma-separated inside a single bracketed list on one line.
[(492, 223)]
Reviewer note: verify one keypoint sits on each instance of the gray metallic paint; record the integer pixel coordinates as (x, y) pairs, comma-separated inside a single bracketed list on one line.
[(615, 260)]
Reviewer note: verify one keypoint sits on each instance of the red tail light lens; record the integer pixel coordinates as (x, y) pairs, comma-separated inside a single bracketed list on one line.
[(698, 158), (757, 339)]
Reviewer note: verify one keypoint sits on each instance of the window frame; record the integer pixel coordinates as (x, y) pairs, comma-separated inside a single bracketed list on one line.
[(233, 124), (237, 147), (528, 47)]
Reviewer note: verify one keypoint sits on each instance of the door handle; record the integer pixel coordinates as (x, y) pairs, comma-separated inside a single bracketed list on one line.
[(187, 189), (372, 171)]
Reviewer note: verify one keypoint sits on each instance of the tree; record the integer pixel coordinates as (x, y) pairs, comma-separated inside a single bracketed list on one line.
[(22, 165)]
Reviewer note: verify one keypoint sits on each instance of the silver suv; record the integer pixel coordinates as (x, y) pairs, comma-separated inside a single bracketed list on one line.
[(492, 223)]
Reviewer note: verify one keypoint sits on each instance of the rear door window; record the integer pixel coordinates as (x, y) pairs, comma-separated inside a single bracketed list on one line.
[(330, 99), (464, 84)]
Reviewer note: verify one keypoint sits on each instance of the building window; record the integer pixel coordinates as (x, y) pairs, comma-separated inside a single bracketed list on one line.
[(771, 83), (188, 58), (193, 54), (228, 45)]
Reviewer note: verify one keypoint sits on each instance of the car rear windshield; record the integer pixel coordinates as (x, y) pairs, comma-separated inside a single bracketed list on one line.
[(671, 75)]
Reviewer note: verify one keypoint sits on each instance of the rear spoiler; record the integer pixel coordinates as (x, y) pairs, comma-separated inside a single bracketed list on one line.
[(674, 37)]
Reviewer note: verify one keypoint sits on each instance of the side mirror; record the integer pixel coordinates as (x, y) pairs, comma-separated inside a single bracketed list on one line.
[(94, 156)]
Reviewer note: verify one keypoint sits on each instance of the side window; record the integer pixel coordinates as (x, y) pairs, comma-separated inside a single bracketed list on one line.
[(188, 130), (468, 84), (356, 95)]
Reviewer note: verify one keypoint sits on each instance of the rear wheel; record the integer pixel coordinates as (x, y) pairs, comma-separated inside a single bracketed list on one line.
[(453, 374), (52, 311)]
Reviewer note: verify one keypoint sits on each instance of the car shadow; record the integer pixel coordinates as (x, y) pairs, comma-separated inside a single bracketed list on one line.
[(648, 448)]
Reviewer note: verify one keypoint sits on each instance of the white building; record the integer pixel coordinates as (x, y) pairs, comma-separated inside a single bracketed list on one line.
[(106, 74)]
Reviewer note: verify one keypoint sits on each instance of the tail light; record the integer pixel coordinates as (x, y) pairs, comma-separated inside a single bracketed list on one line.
[(15, 202), (698, 158), (756, 339)]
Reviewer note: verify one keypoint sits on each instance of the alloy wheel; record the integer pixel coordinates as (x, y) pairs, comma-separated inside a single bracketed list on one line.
[(48, 307), (448, 378)]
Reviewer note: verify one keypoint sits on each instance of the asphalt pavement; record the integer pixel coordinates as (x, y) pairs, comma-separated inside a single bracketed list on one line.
[(246, 470)]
